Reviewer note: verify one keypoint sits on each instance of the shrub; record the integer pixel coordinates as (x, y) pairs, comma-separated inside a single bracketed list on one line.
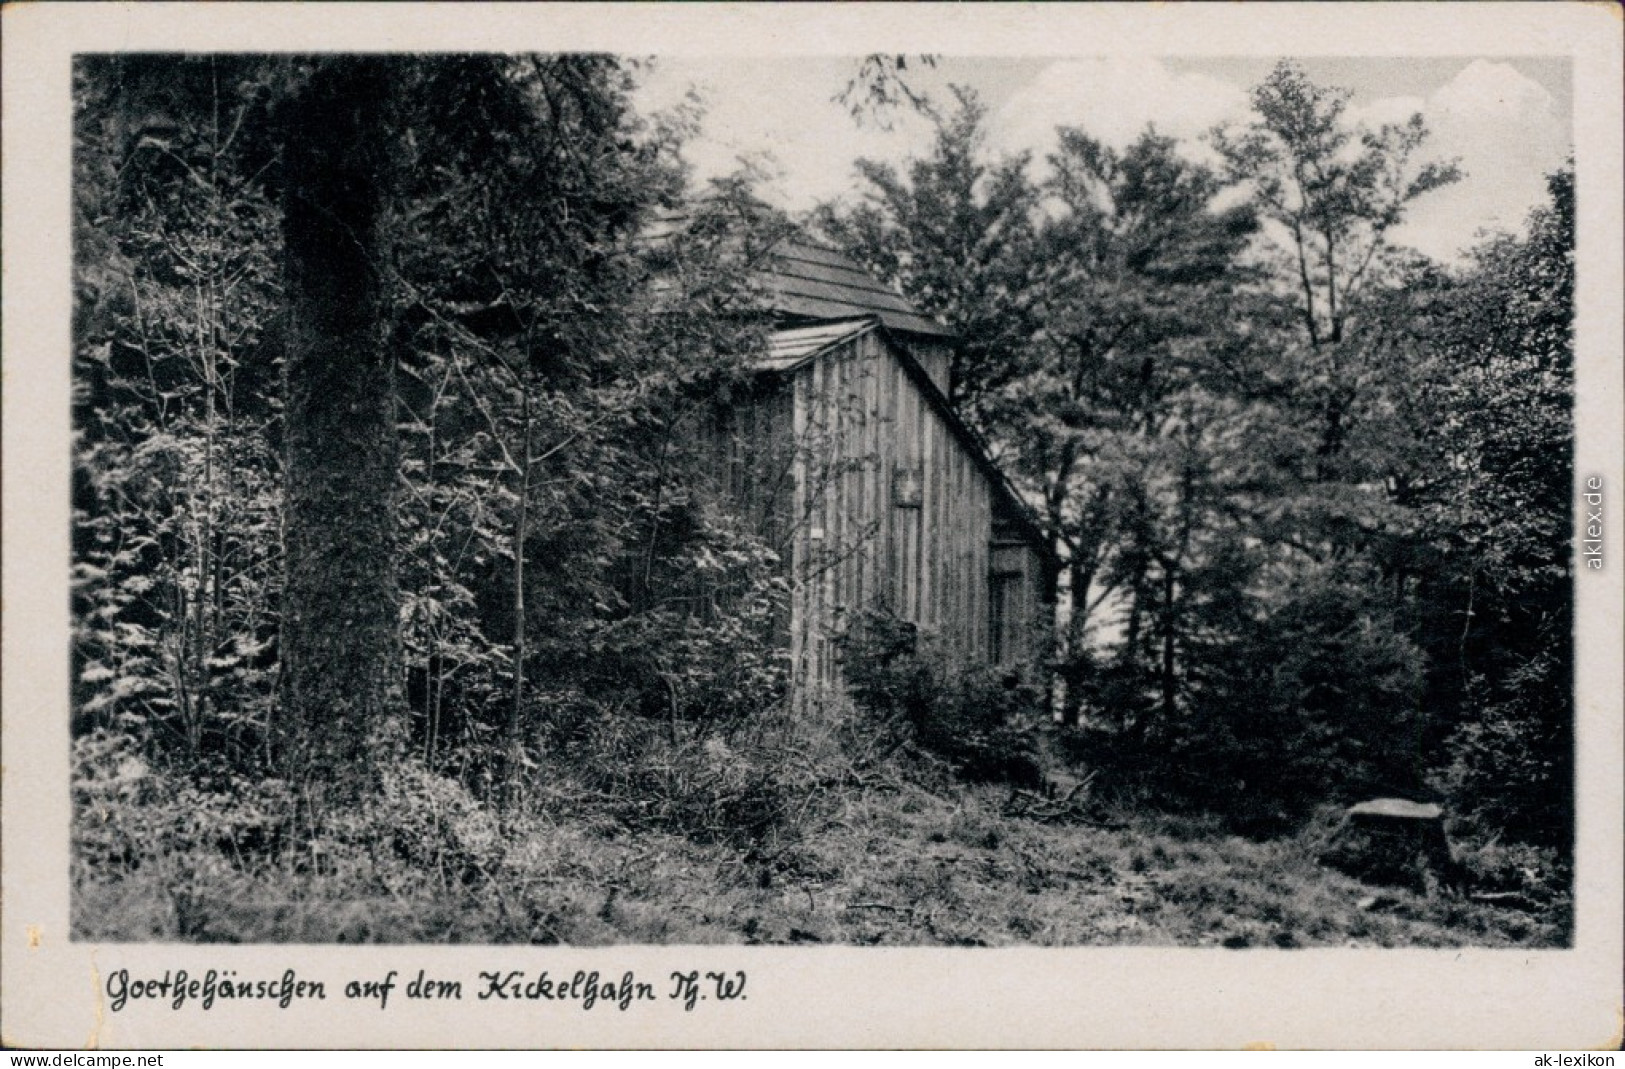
[(1511, 764), (980, 719), (225, 857), (1541, 876), (129, 811), (749, 787)]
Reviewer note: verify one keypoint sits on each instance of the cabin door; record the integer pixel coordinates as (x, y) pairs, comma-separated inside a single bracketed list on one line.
[(1004, 599)]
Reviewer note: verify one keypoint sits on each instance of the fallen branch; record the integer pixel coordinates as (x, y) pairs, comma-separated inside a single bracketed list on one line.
[(1070, 808), (881, 905), (1510, 899)]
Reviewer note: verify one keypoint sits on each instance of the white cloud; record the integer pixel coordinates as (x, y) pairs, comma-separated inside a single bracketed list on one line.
[(1114, 99), (1507, 132)]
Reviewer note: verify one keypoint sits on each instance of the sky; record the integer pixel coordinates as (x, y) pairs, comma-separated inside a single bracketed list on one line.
[(1508, 120)]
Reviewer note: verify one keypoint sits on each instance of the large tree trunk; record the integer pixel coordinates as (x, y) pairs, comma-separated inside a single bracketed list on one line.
[(340, 643)]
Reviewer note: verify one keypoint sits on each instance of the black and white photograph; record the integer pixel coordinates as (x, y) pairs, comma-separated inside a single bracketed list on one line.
[(553, 495)]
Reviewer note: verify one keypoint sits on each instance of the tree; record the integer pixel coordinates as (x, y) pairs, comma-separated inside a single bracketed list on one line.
[(956, 237), (198, 224), (570, 333), (1330, 193), (340, 650), (514, 302), (1140, 276), (1277, 518)]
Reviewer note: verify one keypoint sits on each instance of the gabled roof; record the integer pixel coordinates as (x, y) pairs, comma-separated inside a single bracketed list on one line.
[(809, 281)]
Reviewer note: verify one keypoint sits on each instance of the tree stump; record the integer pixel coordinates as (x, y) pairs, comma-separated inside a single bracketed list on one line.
[(1392, 841)]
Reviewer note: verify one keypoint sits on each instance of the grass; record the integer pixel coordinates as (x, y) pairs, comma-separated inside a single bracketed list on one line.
[(898, 856)]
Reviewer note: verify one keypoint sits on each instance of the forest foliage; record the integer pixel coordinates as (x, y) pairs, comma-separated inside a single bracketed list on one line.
[(1311, 492)]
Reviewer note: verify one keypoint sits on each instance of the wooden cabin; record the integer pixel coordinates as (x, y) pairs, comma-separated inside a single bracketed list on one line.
[(848, 456)]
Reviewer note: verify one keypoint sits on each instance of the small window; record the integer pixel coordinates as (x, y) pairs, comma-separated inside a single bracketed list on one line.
[(908, 487)]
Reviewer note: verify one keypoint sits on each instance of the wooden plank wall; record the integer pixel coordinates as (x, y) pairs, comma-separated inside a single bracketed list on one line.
[(859, 419), (810, 464)]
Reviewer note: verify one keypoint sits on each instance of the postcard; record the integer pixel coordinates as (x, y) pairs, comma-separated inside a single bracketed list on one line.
[(852, 526)]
